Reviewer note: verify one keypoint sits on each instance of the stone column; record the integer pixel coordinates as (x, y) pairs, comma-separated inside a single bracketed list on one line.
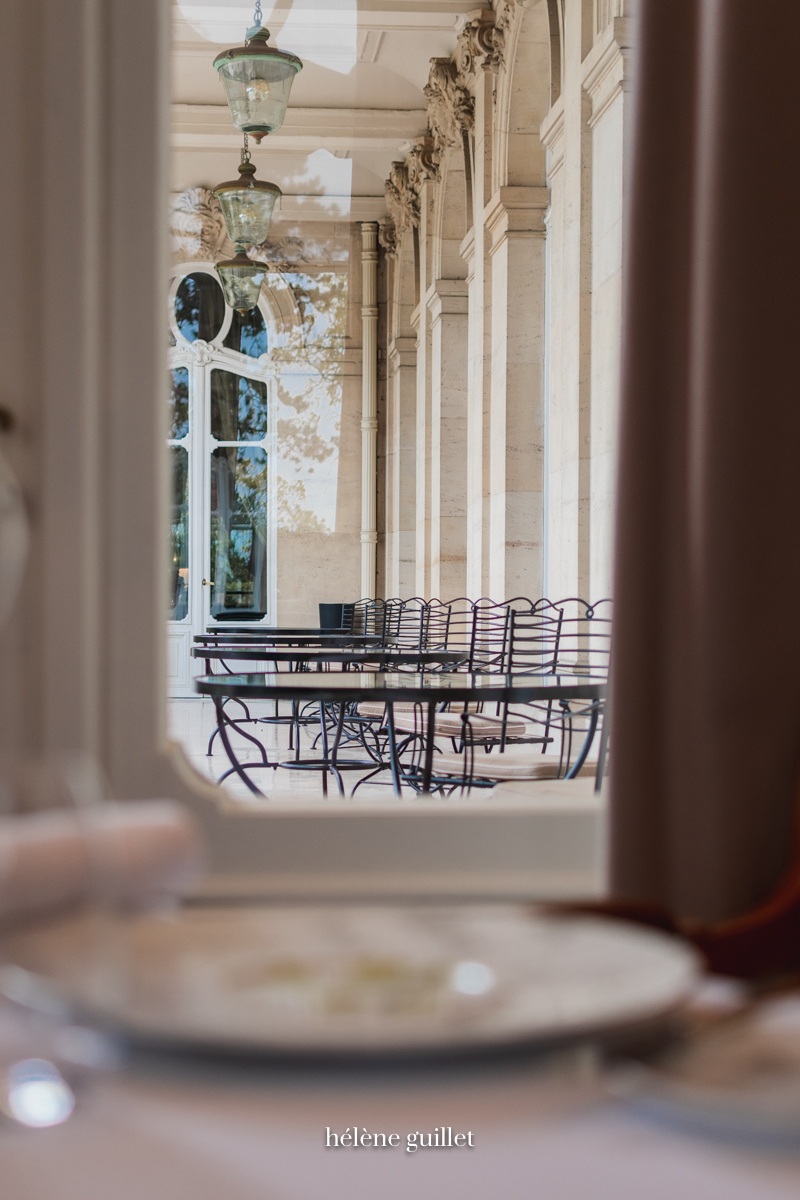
[(565, 133), (369, 412), (420, 320), (401, 532), (606, 77), (447, 306), (475, 252), (515, 223)]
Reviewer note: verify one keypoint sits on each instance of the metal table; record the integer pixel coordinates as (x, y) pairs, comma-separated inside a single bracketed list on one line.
[(391, 656), (251, 638), (298, 657), (427, 688)]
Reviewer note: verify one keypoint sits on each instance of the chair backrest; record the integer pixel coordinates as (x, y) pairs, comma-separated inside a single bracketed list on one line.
[(534, 638), (436, 623), (489, 636), (368, 617), (585, 637), (408, 627)]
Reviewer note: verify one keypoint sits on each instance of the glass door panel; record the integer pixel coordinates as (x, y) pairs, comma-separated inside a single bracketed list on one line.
[(238, 408), (178, 404), (239, 532), (178, 433), (179, 535)]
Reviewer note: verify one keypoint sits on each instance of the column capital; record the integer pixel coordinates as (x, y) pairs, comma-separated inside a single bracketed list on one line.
[(606, 71), (516, 212), (402, 352), (447, 298), (467, 247), (551, 132)]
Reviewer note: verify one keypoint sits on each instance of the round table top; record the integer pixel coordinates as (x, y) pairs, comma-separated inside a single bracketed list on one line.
[(433, 687), (397, 656), (255, 627), (267, 638)]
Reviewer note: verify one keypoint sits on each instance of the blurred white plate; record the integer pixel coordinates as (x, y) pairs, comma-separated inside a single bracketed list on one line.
[(352, 979)]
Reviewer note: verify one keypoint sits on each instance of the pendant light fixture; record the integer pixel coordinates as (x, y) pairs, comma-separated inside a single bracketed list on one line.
[(247, 204), (257, 79), (241, 280)]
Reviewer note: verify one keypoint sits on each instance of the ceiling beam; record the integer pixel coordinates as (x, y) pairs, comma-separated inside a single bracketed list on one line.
[(208, 127)]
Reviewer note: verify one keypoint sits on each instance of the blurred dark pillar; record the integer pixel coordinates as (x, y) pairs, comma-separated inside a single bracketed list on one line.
[(706, 669)]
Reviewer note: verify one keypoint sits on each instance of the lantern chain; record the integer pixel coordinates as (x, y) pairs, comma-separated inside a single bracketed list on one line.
[(246, 150), (257, 14)]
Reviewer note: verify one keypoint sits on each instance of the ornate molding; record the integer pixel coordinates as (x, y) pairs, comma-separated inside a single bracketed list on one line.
[(450, 105), (197, 226), (201, 352), (475, 48)]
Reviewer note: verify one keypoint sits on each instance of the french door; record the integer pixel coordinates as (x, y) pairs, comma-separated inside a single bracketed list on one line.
[(219, 444)]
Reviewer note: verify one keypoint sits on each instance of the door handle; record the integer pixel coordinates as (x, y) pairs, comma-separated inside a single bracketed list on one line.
[(208, 583)]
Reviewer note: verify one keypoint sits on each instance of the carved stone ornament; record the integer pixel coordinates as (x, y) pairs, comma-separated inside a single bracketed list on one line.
[(503, 20), (387, 238), (401, 199), (475, 46), (422, 163), (201, 351), (451, 107), (197, 226)]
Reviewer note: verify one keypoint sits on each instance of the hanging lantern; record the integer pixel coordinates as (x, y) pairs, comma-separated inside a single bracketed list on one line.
[(257, 78), (247, 204), (241, 280)]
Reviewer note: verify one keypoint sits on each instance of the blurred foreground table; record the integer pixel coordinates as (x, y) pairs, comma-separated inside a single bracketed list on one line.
[(168, 1129)]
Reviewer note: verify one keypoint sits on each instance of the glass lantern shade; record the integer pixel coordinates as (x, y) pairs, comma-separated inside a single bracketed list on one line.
[(247, 205), (241, 280), (257, 78)]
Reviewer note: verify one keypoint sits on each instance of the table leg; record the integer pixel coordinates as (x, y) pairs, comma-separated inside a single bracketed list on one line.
[(574, 770), (393, 748), (334, 748), (324, 731), (428, 769), (235, 764)]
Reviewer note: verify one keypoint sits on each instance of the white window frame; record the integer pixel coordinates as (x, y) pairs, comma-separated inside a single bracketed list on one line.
[(83, 654)]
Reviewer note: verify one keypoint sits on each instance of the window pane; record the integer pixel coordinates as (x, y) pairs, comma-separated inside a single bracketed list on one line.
[(179, 403), (199, 307), (179, 534), (238, 408), (247, 334), (239, 530)]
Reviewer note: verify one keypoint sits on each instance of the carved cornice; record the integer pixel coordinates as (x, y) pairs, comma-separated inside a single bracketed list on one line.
[(450, 105), (197, 226)]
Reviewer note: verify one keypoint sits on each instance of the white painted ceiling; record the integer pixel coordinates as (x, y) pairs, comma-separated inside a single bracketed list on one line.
[(354, 107)]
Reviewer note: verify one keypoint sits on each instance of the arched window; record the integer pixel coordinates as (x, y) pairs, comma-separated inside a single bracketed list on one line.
[(221, 515)]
